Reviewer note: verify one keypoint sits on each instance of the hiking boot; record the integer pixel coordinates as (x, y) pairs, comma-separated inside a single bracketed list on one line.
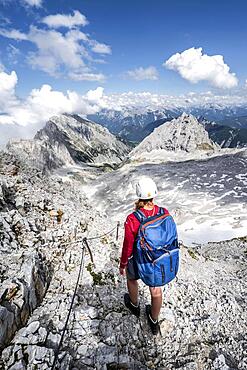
[(134, 309), (154, 325)]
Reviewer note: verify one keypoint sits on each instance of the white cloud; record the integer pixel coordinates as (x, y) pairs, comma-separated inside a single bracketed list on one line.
[(13, 54), (36, 3), (131, 102), (96, 95), (21, 118), (101, 48), (56, 50), (26, 116), (86, 76), (62, 20), (4, 20), (13, 34), (7, 89), (149, 73), (194, 66), (8, 82), (77, 35), (60, 53), (42, 103)]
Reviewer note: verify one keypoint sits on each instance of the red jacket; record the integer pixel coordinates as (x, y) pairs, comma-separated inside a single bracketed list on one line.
[(131, 227)]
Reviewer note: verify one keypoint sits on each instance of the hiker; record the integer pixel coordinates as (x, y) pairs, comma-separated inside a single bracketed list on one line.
[(146, 190)]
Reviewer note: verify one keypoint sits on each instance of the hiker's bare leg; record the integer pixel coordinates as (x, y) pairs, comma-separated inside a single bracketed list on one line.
[(133, 290), (156, 299)]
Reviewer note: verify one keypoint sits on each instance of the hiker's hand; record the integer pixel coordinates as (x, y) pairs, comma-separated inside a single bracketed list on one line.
[(122, 271)]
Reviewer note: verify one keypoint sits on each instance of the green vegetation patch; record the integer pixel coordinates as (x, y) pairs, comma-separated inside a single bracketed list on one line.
[(204, 146), (99, 278), (192, 254)]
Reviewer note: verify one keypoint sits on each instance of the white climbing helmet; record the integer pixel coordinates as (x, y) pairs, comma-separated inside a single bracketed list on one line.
[(146, 188)]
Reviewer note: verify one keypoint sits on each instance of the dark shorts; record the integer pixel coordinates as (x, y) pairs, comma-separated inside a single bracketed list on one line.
[(132, 271)]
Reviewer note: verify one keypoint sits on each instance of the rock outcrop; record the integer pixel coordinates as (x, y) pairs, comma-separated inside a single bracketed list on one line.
[(21, 294), (183, 134), (70, 140)]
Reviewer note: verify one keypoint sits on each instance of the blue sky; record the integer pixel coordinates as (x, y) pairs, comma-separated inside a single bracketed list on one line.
[(139, 34)]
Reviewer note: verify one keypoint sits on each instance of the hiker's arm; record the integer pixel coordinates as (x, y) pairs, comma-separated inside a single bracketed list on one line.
[(128, 243)]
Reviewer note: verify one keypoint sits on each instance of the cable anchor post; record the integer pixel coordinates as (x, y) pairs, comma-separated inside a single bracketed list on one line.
[(117, 233), (84, 240)]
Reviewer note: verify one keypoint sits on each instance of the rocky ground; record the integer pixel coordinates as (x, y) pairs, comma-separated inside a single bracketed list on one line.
[(203, 318)]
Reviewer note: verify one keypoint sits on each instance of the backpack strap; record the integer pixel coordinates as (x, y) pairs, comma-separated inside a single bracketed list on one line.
[(139, 216), (161, 211)]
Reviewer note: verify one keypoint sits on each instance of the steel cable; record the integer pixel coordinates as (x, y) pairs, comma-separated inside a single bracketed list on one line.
[(70, 309), (91, 238), (85, 245)]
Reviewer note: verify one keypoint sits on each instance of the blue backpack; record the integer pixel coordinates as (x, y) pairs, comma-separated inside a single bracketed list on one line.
[(157, 251)]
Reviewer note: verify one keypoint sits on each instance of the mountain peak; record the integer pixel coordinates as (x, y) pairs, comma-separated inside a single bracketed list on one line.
[(185, 115), (69, 139), (182, 134)]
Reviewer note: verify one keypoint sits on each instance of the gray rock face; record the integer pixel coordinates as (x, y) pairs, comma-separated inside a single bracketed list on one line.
[(68, 140), (22, 294), (203, 318), (184, 134), (40, 154)]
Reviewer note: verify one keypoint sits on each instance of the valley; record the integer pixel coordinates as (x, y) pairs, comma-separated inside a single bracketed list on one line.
[(203, 317)]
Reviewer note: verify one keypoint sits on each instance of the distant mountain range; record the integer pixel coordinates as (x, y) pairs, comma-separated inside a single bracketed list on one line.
[(236, 122), (222, 124), (132, 123), (69, 140), (225, 136), (131, 126)]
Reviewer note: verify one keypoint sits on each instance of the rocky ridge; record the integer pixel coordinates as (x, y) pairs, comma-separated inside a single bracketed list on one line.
[(180, 139), (182, 134), (225, 136), (69, 140), (203, 319)]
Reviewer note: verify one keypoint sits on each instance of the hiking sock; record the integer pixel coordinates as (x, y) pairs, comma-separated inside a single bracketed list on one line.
[(135, 309), (153, 321), (134, 305), (154, 324)]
